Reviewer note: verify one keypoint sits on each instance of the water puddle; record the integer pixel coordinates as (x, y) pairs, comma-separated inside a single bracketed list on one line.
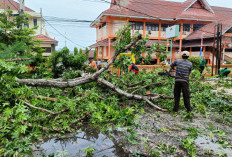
[(75, 145), (206, 144)]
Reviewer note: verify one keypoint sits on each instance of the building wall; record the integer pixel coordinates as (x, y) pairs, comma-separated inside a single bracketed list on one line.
[(113, 24), (40, 23), (49, 48), (116, 25)]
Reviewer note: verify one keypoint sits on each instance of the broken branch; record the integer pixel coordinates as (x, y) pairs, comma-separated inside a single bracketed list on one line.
[(139, 88), (16, 60), (45, 98), (129, 95), (37, 108)]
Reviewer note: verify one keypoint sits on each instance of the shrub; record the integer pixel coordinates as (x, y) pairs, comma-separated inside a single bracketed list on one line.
[(195, 61)]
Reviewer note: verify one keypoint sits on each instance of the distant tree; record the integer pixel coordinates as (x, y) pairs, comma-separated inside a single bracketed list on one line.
[(63, 63), (95, 54), (80, 51), (87, 52), (16, 41), (75, 50), (12, 30)]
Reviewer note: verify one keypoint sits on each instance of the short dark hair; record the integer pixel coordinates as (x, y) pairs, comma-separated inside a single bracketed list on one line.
[(185, 57)]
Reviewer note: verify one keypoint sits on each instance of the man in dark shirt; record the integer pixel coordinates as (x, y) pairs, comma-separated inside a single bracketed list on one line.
[(134, 68), (183, 70)]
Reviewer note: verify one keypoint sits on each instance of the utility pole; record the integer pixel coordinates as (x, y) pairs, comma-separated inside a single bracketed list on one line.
[(220, 50), (22, 10), (217, 52), (22, 7), (41, 21), (213, 50)]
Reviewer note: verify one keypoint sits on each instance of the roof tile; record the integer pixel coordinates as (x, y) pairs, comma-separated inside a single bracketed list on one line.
[(13, 5), (45, 38)]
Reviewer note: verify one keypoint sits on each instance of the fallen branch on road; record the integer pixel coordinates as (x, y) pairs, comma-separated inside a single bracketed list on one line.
[(132, 96)]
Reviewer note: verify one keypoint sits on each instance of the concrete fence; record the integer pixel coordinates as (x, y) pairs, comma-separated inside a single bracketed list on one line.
[(150, 68)]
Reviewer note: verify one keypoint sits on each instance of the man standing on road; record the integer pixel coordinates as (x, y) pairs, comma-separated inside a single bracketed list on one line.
[(183, 70)]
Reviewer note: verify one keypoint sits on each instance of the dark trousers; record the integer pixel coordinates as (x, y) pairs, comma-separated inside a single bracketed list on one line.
[(184, 87), (201, 68)]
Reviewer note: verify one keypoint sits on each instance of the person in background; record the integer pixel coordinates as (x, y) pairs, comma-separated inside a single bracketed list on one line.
[(134, 68), (224, 72), (100, 66), (92, 64), (142, 62), (203, 64), (183, 70)]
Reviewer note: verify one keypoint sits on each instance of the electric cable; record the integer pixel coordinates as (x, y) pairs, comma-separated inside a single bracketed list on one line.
[(14, 6), (62, 34)]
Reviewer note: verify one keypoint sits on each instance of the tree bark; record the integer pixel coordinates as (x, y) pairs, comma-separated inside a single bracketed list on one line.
[(37, 108), (132, 96), (16, 60), (45, 98), (139, 88)]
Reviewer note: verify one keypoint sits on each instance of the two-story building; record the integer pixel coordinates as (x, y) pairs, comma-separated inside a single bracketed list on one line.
[(35, 19), (197, 20)]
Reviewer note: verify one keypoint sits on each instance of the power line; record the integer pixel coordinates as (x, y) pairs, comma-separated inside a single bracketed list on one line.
[(13, 5), (51, 18), (62, 34)]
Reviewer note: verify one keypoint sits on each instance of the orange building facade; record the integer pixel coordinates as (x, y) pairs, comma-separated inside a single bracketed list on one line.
[(196, 18)]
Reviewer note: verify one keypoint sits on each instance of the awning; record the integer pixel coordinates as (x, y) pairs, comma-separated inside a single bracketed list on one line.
[(206, 42), (102, 43), (197, 43)]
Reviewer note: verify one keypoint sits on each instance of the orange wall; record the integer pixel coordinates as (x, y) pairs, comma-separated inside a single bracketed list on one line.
[(115, 22)]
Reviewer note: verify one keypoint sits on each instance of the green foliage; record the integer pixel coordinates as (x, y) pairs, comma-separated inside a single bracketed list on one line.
[(64, 62), (123, 63), (166, 148), (95, 55), (87, 52), (75, 50), (11, 33), (89, 151), (195, 61), (162, 53), (188, 144)]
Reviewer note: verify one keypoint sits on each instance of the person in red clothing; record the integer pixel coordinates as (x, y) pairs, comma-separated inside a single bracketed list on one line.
[(134, 68)]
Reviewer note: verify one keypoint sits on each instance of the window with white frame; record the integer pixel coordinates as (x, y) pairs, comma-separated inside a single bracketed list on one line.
[(137, 25), (164, 27), (152, 26), (186, 28)]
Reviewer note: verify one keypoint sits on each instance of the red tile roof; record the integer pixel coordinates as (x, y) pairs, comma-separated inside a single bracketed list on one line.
[(169, 10), (148, 8), (13, 5), (208, 30), (45, 38), (101, 43)]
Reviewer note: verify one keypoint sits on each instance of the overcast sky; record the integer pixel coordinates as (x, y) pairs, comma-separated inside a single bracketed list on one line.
[(81, 34)]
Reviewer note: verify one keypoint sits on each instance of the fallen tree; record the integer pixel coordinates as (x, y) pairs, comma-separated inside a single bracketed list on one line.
[(122, 45)]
